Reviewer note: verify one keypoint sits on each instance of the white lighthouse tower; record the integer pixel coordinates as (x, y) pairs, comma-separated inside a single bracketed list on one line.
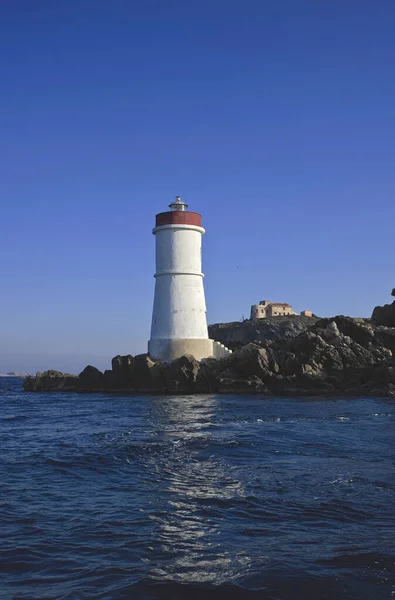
[(179, 323)]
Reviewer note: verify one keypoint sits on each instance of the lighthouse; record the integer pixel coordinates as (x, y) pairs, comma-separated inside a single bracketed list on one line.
[(179, 322)]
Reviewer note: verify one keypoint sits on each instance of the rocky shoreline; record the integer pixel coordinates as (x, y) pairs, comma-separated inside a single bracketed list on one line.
[(339, 356)]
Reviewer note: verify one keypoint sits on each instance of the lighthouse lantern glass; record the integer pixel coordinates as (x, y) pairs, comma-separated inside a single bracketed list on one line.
[(178, 204)]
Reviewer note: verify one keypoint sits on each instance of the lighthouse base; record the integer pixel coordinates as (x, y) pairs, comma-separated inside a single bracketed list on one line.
[(168, 350)]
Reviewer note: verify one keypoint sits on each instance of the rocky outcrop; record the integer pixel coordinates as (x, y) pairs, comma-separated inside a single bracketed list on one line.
[(336, 357), (51, 381), (91, 379), (385, 315), (240, 333)]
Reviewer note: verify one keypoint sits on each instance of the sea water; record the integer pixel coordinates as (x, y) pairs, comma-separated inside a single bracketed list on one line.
[(129, 497)]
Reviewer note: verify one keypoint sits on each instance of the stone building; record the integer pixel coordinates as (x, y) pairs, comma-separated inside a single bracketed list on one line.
[(274, 309)]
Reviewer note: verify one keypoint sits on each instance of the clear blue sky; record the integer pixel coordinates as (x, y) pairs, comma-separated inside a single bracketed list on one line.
[(274, 119)]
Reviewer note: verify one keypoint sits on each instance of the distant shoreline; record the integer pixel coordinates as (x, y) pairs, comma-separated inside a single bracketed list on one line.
[(19, 375)]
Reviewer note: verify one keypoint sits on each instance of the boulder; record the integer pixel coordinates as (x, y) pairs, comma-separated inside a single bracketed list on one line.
[(122, 369), (147, 375), (312, 349), (249, 385), (182, 374), (91, 380), (51, 381), (110, 381), (120, 364), (359, 330), (384, 315), (249, 361), (385, 337), (210, 370), (379, 380)]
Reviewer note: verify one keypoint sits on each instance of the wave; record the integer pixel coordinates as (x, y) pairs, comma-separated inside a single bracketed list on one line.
[(14, 418)]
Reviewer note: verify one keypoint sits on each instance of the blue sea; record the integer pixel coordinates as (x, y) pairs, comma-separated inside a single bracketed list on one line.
[(172, 497)]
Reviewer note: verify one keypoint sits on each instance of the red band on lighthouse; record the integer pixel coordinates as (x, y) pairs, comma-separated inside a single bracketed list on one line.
[(178, 217)]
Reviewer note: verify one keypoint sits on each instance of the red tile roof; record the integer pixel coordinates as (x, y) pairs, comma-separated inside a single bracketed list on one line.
[(279, 304)]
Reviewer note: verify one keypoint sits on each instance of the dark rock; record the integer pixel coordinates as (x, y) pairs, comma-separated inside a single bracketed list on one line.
[(250, 360), (249, 385), (122, 369), (182, 374), (359, 330), (207, 380), (146, 374), (384, 315), (51, 381), (28, 383), (110, 381), (377, 381), (385, 391), (385, 337), (120, 364), (259, 331), (91, 380), (288, 362)]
